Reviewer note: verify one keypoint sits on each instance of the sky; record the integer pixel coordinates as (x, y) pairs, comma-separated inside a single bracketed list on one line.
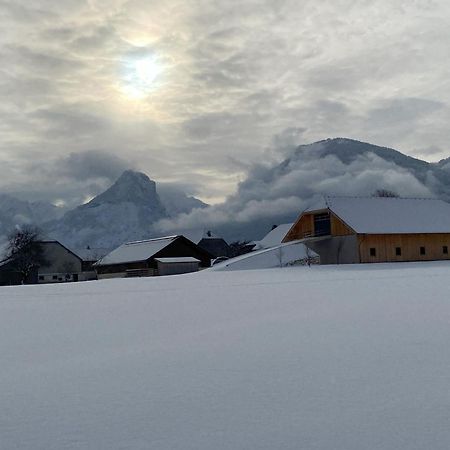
[(196, 92)]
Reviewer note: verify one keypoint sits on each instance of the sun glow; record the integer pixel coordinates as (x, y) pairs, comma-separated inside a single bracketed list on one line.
[(141, 77)]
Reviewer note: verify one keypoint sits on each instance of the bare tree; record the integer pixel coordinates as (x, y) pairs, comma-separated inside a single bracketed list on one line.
[(384, 193), (25, 253)]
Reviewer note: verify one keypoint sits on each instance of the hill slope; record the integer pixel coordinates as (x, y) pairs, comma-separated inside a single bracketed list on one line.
[(342, 358)]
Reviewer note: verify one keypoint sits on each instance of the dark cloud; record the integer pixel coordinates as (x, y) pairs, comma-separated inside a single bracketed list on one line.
[(92, 164)]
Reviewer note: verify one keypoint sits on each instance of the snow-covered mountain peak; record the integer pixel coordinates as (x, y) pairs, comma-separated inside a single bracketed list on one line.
[(133, 187)]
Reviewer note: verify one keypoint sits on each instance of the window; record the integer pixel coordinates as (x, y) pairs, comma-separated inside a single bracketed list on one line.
[(398, 251), (55, 277), (422, 250), (373, 251), (322, 224), (41, 277), (445, 250)]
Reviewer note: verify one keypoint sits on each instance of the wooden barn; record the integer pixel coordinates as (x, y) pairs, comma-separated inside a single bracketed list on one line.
[(376, 229), (148, 257)]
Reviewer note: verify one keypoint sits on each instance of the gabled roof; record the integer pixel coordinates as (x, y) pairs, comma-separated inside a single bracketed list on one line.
[(274, 237), (136, 251), (391, 215)]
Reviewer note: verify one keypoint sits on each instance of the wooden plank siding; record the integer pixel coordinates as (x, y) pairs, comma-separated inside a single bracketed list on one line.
[(339, 228), (304, 227), (385, 247)]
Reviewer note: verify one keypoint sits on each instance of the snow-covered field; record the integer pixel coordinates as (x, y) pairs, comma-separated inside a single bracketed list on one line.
[(348, 357)]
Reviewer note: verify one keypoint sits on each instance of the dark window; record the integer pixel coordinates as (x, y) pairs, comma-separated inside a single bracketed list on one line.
[(55, 277), (41, 277), (422, 250), (398, 251), (373, 251), (322, 224), (445, 250)]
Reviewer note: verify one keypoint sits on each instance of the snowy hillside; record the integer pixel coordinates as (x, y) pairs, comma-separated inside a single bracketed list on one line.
[(320, 358)]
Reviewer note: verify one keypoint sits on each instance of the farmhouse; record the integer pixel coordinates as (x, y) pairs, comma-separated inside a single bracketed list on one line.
[(59, 264), (165, 255), (375, 229)]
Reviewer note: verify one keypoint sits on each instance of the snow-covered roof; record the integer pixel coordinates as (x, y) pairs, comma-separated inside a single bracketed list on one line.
[(274, 237), (184, 259), (197, 234), (136, 251), (391, 215), (278, 256)]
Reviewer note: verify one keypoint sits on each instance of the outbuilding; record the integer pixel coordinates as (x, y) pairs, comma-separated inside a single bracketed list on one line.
[(375, 229), (174, 266), (140, 258)]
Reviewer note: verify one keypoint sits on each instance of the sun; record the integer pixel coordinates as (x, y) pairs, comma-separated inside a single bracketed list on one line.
[(141, 77)]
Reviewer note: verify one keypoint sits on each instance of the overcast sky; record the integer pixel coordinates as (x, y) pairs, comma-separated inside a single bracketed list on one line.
[(196, 91)]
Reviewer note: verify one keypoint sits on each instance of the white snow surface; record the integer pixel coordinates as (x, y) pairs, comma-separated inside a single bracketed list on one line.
[(180, 259), (274, 237), (278, 256), (136, 251), (384, 215), (331, 357)]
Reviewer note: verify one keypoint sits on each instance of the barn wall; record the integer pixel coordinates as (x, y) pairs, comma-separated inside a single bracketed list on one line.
[(336, 250), (59, 259), (120, 269), (176, 268), (339, 228), (301, 229), (410, 244), (182, 247)]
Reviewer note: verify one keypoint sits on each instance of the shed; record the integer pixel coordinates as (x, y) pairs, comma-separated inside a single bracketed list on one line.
[(139, 258), (375, 229), (174, 266)]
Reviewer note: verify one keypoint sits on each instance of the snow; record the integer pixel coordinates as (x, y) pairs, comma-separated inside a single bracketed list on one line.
[(280, 255), (373, 215), (342, 358), (274, 237), (185, 259), (136, 251)]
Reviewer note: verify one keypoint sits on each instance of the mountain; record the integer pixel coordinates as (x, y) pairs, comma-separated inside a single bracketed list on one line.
[(277, 193), (134, 207), (15, 212), (124, 212)]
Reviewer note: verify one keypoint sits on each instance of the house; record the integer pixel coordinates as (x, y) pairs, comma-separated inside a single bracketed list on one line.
[(63, 264), (375, 229), (60, 264), (209, 241), (148, 257)]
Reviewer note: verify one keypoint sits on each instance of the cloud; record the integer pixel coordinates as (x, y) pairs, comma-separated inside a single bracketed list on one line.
[(278, 193), (233, 76)]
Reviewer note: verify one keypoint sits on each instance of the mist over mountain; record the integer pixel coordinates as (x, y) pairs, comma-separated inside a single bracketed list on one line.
[(15, 212), (135, 207), (277, 193)]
